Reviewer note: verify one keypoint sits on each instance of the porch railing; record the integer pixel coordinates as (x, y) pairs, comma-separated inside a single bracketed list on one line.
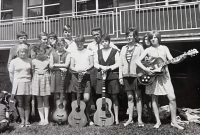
[(114, 21)]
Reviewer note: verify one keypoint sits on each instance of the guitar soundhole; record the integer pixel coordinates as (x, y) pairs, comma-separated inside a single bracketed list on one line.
[(61, 106), (105, 108), (78, 109)]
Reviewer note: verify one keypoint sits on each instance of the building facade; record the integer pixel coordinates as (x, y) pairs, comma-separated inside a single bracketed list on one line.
[(177, 20)]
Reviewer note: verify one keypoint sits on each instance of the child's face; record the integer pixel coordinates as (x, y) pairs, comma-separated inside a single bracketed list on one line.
[(23, 53), (154, 41), (22, 39), (147, 41), (40, 52), (60, 47), (52, 40), (105, 43), (80, 45), (44, 39), (97, 36), (33, 54), (67, 33), (130, 37)]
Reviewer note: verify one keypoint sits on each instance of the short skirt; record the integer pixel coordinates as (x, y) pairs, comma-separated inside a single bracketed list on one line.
[(85, 84), (22, 88), (41, 85), (132, 84)]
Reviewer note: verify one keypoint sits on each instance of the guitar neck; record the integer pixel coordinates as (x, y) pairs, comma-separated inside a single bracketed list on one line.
[(62, 86), (78, 93), (171, 61), (103, 93)]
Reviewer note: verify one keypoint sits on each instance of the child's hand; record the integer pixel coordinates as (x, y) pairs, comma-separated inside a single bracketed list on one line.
[(63, 69)]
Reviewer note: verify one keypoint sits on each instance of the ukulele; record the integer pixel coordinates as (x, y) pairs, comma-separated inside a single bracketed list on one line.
[(157, 66), (59, 114), (77, 117), (103, 115)]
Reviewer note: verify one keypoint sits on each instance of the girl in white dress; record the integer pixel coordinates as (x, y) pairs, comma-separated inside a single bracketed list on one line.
[(162, 84)]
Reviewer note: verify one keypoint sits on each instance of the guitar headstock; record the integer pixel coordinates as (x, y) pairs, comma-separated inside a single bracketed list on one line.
[(80, 75), (192, 52), (103, 74)]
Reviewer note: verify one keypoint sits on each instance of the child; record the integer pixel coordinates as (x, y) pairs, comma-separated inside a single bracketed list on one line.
[(59, 61), (127, 73), (162, 84), (52, 39), (41, 83), (67, 33), (22, 39), (4, 115), (20, 76), (107, 59), (43, 37), (81, 61)]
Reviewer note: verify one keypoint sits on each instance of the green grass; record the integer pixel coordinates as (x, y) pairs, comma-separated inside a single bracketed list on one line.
[(54, 129)]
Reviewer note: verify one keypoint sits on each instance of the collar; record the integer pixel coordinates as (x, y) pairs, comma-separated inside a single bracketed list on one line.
[(137, 44)]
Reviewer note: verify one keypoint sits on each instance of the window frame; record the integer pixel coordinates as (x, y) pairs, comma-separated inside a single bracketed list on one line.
[(4, 11), (43, 6)]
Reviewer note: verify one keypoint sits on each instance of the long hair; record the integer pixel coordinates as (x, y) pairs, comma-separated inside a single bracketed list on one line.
[(135, 33)]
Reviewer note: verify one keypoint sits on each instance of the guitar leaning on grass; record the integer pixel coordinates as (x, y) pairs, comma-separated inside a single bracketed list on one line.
[(157, 66), (103, 115), (77, 117), (59, 114)]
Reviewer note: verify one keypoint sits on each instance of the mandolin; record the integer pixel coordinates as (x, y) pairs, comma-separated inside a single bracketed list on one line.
[(77, 117), (157, 66), (103, 115), (59, 114)]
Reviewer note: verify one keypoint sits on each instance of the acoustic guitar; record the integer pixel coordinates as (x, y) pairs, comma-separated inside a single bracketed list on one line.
[(77, 117), (157, 66), (59, 114), (103, 115)]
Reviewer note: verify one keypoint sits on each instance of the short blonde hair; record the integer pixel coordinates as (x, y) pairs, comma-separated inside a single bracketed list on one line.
[(22, 47)]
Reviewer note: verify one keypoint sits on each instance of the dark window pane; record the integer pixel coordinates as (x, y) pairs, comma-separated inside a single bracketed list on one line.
[(6, 15), (6, 4), (46, 2), (34, 12), (50, 10), (34, 3), (105, 4)]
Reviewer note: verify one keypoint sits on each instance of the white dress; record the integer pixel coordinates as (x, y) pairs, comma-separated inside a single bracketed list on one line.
[(162, 84)]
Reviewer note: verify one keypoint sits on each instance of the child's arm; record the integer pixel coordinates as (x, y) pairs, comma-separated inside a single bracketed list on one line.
[(96, 63), (116, 65), (91, 63), (72, 64), (11, 70)]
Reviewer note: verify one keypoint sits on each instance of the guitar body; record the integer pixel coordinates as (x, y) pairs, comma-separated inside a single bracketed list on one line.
[(146, 79), (77, 118), (59, 114), (103, 117), (14, 114)]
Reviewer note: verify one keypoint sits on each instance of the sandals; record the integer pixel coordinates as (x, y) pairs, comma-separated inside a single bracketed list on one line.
[(141, 124), (176, 126), (127, 123), (27, 125), (21, 125)]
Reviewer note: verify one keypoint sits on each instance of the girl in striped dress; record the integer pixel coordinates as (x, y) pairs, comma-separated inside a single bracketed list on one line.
[(41, 83)]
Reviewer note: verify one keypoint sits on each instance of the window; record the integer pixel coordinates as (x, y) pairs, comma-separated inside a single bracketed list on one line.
[(42, 8), (6, 9), (84, 5)]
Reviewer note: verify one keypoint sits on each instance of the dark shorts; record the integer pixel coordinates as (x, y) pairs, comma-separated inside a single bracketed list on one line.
[(131, 84), (112, 86), (85, 84)]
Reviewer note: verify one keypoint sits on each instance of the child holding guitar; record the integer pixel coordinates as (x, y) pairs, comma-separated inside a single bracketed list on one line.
[(41, 83), (127, 73), (81, 62), (162, 85), (59, 62), (107, 59)]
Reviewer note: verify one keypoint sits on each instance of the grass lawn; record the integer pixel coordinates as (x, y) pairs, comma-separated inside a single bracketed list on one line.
[(54, 129)]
